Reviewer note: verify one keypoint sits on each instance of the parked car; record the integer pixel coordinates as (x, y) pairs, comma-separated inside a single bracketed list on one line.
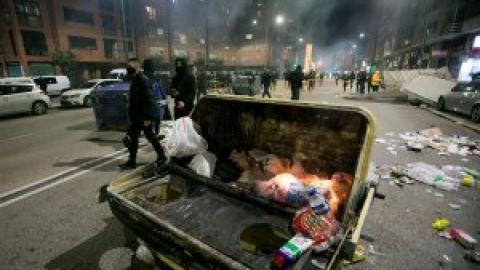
[(21, 98), (81, 96), (16, 80), (464, 99), (55, 84), (118, 73)]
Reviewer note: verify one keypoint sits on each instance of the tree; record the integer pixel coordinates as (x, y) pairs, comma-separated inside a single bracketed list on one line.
[(67, 61)]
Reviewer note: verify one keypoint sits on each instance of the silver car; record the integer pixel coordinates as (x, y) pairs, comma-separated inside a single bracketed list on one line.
[(464, 99)]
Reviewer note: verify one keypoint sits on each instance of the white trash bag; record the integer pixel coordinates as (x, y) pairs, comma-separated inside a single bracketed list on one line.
[(184, 140), (203, 164)]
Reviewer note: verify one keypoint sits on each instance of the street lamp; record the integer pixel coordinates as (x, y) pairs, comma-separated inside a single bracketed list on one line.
[(300, 40), (279, 19), (354, 46), (362, 35), (254, 22)]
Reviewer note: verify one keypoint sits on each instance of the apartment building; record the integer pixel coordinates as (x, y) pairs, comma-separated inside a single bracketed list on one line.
[(98, 32)]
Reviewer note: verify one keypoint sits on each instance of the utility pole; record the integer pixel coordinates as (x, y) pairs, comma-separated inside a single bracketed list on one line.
[(169, 33), (207, 33)]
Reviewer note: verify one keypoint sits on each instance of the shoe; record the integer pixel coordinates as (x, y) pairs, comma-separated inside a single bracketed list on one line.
[(127, 165)]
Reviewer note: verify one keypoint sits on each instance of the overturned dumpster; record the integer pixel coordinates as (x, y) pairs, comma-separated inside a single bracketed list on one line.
[(190, 221)]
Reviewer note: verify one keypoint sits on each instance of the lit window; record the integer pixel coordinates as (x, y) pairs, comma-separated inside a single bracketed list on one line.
[(151, 13)]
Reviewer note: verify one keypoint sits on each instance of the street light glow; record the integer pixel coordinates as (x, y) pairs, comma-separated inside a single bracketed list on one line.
[(300, 40), (254, 22), (279, 19), (354, 46), (362, 35)]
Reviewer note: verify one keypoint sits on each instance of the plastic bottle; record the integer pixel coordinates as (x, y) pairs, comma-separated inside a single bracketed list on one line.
[(291, 251), (295, 194), (317, 201)]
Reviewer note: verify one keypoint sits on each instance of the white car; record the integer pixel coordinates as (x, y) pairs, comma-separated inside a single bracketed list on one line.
[(81, 96), (21, 98), (55, 84)]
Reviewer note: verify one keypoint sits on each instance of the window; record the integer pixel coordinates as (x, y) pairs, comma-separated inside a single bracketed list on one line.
[(109, 26), (82, 43), (45, 80), (106, 5), (151, 12), (77, 16), (28, 12), (110, 47), (18, 89), (15, 89), (34, 42)]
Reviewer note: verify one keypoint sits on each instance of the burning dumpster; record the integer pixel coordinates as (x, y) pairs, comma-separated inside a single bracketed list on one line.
[(223, 221)]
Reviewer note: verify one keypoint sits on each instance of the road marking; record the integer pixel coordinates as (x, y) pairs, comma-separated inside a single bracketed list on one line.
[(15, 138), (60, 181), (58, 175)]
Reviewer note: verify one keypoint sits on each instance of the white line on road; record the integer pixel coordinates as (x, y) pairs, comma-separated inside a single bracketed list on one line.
[(62, 180), (46, 179), (15, 138)]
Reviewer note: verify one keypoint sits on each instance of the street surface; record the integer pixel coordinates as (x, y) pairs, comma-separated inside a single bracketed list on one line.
[(52, 166)]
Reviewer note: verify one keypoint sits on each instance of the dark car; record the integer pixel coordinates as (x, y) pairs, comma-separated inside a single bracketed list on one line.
[(463, 99)]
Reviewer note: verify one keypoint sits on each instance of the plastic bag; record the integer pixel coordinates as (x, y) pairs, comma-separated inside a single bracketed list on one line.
[(431, 175), (184, 140), (203, 164)]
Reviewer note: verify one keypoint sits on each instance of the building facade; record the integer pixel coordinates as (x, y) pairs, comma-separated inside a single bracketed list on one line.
[(423, 33)]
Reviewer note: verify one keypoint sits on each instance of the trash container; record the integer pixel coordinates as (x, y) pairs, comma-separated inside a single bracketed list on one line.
[(110, 106), (193, 222)]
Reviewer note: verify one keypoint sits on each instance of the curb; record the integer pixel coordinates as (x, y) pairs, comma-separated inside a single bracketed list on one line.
[(459, 121)]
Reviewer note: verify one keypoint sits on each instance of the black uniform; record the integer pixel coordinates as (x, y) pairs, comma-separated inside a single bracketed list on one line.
[(296, 82), (183, 85), (141, 108)]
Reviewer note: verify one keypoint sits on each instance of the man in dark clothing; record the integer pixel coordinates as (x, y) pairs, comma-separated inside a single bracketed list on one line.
[(296, 82), (266, 80), (183, 89), (351, 76), (361, 80), (202, 83), (141, 111)]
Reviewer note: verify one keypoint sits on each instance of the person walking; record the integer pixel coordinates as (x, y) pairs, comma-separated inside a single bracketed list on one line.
[(141, 112), (361, 80), (295, 79), (376, 80), (345, 79), (266, 81), (352, 78), (182, 89), (158, 93)]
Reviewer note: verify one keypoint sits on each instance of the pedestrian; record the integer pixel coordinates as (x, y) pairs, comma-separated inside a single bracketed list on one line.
[(352, 78), (183, 89), (361, 80), (376, 80), (266, 81), (369, 83), (345, 79), (43, 86), (322, 76), (141, 112), (337, 77), (251, 85), (201, 83), (295, 79), (311, 80), (158, 93)]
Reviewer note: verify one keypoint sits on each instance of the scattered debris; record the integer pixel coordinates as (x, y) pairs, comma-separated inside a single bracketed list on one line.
[(468, 181), (441, 224), (446, 258), (380, 140), (454, 206), (445, 235), (463, 238), (414, 146), (439, 194), (473, 256)]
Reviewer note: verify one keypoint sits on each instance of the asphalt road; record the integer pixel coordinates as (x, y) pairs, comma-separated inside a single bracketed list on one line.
[(52, 166)]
